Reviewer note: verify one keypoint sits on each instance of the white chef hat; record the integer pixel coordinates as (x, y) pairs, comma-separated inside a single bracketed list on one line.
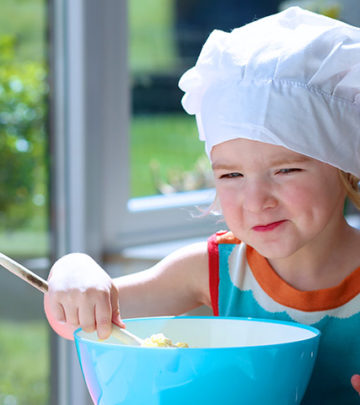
[(290, 79)]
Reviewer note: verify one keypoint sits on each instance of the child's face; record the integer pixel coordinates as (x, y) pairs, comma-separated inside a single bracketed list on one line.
[(276, 200)]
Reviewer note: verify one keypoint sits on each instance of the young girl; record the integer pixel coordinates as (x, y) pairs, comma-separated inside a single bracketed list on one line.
[(277, 103)]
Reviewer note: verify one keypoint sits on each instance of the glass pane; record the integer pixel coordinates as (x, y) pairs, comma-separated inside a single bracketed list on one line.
[(24, 348), (166, 37), (166, 155)]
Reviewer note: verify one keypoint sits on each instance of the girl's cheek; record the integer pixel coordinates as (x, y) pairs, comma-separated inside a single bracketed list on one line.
[(227, 197), (297, 194)]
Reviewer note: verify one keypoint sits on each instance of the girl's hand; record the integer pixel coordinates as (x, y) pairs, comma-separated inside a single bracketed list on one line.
[(355, 381), (81, 294)]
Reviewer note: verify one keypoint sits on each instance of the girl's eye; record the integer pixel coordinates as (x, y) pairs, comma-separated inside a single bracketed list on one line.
[(230, 175), (288, 171)]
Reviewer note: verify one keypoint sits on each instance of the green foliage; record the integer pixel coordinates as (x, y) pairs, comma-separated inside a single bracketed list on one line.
[(25, 21), (22, 134)]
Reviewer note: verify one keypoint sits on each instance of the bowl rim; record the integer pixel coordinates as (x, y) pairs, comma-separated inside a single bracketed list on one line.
[(316, 333)]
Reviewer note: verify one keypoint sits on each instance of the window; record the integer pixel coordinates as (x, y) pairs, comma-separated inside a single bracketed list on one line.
[(165, 154)]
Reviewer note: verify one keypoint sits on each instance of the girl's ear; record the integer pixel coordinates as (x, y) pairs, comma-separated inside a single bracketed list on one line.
[(351, 185), (355, 381), (215, 207)]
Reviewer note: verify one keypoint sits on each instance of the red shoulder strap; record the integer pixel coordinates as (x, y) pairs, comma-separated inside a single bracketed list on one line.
[(213, 254)]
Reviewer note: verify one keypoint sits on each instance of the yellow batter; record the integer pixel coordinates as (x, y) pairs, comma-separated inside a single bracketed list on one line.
[(160, 340)]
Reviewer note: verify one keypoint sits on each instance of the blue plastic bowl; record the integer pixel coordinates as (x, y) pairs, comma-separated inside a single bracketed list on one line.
[(231, 361)]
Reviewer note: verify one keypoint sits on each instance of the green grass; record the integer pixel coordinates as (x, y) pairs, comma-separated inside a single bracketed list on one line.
[(24, 358), (170, 140), (29, 240), (24, 243)]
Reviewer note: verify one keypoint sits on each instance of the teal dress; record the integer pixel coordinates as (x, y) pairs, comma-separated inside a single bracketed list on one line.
[(242, 283)]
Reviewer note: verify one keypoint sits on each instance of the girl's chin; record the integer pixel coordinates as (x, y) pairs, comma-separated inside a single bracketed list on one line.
[(272, 255), (274, 250)]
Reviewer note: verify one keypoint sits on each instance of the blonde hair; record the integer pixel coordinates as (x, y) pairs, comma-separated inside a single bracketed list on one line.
[(351, 184)]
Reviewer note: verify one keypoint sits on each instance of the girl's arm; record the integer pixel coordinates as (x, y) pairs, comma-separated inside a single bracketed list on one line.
[(81, 294)]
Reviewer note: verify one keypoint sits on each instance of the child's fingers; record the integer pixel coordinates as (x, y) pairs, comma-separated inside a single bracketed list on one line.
[(58, 312), (56, 316), (87, 317), (71, 315), (103, 315), (116, 317)]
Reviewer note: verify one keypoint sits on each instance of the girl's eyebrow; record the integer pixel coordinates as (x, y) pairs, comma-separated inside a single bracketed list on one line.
[(290, 161), (221, 165), (276, 162)]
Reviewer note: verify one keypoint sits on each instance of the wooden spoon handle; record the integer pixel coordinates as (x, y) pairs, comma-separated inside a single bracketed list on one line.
[(126, 337), (24, 273)]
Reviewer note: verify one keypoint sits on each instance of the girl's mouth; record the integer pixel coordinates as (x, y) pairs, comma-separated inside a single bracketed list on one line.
[(268, 227)]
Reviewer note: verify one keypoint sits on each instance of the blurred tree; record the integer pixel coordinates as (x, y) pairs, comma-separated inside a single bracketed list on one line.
[(23, 92)]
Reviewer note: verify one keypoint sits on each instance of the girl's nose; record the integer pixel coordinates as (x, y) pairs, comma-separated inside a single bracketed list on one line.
[(258, 197)]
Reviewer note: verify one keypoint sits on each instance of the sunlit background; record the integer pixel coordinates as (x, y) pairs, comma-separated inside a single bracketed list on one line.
[(165, 156)]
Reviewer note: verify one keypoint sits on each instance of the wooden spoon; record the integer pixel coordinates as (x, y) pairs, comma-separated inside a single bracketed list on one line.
[(39, 283)]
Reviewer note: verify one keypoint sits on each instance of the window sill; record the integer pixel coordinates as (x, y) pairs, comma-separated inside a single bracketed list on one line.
[(150, 252)]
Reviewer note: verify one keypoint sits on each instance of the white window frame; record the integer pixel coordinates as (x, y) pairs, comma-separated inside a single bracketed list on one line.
[(73, 143)]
